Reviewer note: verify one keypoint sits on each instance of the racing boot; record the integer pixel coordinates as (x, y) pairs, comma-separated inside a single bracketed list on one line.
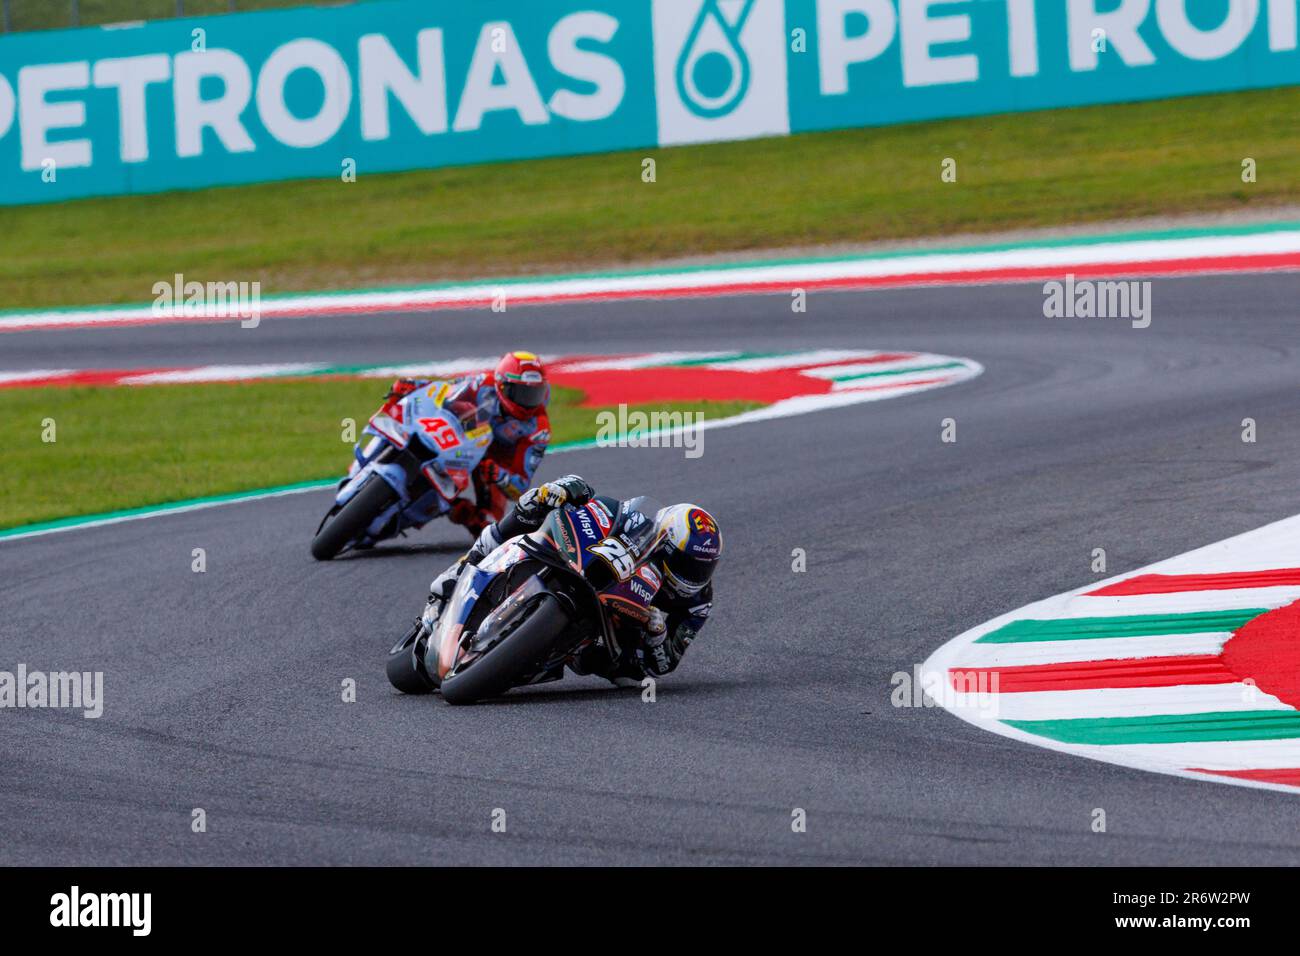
[(441, 588), (595, 659), (443, 585)]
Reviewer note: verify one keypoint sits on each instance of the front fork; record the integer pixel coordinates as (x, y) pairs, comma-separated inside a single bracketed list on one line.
[(400, 467)]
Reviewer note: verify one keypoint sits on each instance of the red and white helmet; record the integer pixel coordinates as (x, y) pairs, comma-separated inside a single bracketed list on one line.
[(521, 384)]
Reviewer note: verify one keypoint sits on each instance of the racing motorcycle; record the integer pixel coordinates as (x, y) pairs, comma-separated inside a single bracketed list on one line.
[(534, 603), (421, 460)]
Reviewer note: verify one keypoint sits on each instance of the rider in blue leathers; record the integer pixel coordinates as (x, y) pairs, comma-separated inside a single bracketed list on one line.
[(685, 560)]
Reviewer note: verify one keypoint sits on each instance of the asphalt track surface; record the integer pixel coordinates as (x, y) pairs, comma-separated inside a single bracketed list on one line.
[(223, 689)]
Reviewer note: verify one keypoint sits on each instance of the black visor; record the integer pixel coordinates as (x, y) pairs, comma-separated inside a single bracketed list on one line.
[(524, 394), (691, 570)]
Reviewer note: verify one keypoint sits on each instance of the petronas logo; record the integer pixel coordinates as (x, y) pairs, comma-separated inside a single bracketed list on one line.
[(713, 69)]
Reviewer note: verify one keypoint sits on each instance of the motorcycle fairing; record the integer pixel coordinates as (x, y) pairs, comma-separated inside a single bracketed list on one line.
[(586, 530), (632, 597), (451, 625), (566, 539), (456, 443)]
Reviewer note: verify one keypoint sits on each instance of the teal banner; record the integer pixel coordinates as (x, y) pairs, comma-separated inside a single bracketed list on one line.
[(407, 84)]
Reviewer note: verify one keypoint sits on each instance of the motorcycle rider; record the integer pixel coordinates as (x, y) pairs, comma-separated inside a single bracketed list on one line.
[(685, 560), (513, 398)]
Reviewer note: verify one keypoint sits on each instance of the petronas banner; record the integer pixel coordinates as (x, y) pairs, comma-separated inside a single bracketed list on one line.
[(403, 84)]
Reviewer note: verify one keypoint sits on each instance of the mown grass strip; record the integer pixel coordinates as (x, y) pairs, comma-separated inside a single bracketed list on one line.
[(1049, 168), (118, 449)]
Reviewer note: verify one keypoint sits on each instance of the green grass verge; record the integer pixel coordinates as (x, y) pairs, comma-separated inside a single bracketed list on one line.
[(125, 447), (1029, 169)]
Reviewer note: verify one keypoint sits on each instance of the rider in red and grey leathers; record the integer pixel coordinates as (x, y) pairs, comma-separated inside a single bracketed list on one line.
[(513, 397), (685, 559)]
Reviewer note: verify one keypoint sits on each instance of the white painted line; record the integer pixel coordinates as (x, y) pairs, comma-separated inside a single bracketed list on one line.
[(646, 360), (34, 374), (813, 357), (893, 381), (866, 368), (1210, 755), (1209, 248), (1224, 600), (1029, 653), (219, 373), (182, 507), (1121, 702)]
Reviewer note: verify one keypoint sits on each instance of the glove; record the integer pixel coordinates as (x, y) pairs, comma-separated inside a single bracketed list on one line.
[(401, 388), (534, 503), (574, 489), (552, 494), (659, 652), (656, 628)]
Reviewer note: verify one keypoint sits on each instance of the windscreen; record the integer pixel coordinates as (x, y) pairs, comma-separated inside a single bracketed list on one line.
[(639, 526)]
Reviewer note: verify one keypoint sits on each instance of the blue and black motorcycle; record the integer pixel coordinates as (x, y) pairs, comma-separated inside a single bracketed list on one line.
[(534, 603)]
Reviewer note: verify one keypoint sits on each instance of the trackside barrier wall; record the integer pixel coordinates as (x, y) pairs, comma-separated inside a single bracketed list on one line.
[(404, 84)]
